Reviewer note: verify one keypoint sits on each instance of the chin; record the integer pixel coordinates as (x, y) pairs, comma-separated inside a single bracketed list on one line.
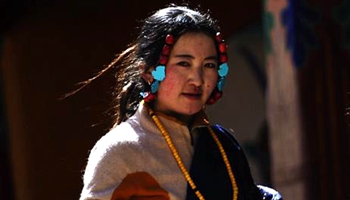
[(192, 111)]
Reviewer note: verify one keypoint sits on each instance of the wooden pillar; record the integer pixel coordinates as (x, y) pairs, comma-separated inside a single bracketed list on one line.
[(308, 61), (283, 106)]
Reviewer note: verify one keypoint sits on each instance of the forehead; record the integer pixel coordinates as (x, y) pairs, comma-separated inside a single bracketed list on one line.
[(199, 42)]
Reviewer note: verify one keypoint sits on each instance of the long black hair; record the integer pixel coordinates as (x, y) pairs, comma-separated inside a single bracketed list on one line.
[(144, 52)]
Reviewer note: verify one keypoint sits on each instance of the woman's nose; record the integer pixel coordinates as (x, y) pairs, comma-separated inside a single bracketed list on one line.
[(196, 77)]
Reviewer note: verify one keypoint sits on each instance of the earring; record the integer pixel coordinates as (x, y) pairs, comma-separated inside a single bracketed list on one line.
[(214, 97)]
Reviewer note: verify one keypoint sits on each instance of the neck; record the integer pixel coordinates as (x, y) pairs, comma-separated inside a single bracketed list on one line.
[(184, 119)]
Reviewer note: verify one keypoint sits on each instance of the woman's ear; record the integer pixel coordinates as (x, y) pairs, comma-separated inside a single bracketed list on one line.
[(147, 76)]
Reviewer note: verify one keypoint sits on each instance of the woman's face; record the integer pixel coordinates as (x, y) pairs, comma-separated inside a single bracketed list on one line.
[(191, 76)]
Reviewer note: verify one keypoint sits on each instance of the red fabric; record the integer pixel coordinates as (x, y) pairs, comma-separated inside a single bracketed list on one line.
[(139, 186)]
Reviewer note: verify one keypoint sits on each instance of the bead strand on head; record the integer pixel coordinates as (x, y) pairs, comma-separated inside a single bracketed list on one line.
[(159, 71), (222, 70)]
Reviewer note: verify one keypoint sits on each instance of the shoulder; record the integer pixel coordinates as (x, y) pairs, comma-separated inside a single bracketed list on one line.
[(109, 160), (111, 149), (118, 139)]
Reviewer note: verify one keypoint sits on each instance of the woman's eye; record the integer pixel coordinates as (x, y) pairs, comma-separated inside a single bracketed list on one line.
[(210, 65), (184, 64)]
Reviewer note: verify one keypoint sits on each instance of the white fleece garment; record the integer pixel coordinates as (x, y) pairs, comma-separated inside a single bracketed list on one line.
[(137, 145)]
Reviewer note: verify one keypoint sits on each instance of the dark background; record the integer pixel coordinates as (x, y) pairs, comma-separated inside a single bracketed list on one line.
[(47, 47)]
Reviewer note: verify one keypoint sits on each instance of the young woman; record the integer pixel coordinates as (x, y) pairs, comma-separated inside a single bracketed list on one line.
[(162, 145)]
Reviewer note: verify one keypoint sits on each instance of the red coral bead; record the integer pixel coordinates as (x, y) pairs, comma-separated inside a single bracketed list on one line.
[(223, 58), (217, 95), (222, 48), (169, 39), (210, 101), (166, 50), (218, 37), (163, 60), (150, 97), (214, 97)]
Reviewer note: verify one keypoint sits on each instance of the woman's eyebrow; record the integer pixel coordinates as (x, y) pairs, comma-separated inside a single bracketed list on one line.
[(184, 56), (192, 57), (211, 58)]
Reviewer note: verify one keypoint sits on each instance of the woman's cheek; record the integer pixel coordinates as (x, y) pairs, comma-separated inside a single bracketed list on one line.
[(212, 80), (169, 83), (210, 88)]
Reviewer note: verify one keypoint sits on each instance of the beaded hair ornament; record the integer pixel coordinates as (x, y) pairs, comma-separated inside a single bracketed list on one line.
[(159, 71)]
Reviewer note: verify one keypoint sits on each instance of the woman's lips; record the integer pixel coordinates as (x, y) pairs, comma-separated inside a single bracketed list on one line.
[(193, 96)]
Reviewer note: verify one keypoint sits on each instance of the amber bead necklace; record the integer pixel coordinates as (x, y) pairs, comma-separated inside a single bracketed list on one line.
[(182, 166)]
